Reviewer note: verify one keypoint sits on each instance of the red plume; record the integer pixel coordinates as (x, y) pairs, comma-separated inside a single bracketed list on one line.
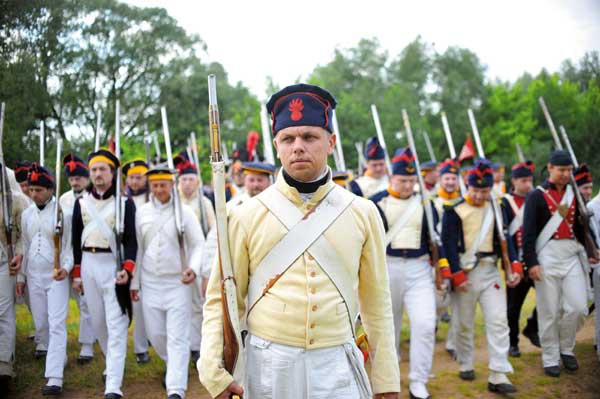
[(251, 143), (111, 144)]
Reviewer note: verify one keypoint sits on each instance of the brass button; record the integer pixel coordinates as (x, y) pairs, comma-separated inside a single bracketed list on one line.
[(312, 341), (314, 308), (313, 273), (312, 325), (310, 257), (313, 290)]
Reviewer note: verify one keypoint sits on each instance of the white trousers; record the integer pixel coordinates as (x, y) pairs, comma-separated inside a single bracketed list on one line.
[(167, 314), (412, 288), (596, 278), (275, 371), (197, 317), (98, 272), (7, 314), (452, 327), (49, 302), (487, 290), (140, 338), (86, 331), (561, 298)]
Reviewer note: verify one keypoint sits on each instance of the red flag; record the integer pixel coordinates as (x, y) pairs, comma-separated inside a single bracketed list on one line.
[(468, 151), (111, 144)]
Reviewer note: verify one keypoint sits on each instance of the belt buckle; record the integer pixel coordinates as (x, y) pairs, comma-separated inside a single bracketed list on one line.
[(93, 250)]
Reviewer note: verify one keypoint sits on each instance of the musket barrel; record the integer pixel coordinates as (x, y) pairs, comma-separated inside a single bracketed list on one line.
[(448, 135), (338, 143), (266, 134), (565, 138), (476, 133), (42, 142), (98, 127), (380, 136)]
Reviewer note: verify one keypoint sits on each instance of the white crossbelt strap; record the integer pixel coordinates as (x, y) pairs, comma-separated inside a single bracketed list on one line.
[(517, 221), (156, 226), (98, 221), (403, 219), (555, 220), (470, 257), (305, 235)]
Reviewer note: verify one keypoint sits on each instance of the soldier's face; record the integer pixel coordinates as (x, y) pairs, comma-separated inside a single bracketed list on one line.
[(523, 185), (403, 185), (25, 187), (479, 195), (136, 181), (256, 183), (586, 191), (376, 168), (303, 151), (188, 184), (101, 174), (78, 183), (161, 190), (449, 182), (40, 195), (431, 177), (559, 174), (499, 175)]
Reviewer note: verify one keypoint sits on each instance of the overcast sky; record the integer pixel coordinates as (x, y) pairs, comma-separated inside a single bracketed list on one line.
[(286, 39)]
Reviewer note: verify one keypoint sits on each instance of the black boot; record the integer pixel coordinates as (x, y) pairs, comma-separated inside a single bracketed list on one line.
[(514, 351), (142, 358), (468, 375), (552, 371), (569, 362), (51, 390)]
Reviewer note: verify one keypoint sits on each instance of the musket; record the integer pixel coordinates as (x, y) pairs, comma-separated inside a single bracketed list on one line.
[(362, 163), (266, 135), (6, 194), (584, 215), (380, 137), (58, 216), (195, 159), (42, 142), (148, 156), (98, 128), (501, 230), (435, 242), (233, 354), (119, 217), (340, 161), (429, 147), (448, 134), (565, 138), (520, 154), (174, 192), (157, 153)]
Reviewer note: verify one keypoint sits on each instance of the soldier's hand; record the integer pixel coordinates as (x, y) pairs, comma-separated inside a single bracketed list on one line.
[(389, 395), (514, 280), (535, 273), (232, 389), (464, 287), (20, 289), (77, 285), (122, 277), (15, 265), (188, 276), (135, 295), (60, 274)]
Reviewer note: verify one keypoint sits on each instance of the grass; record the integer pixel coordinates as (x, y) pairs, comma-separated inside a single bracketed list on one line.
[(144, 381)]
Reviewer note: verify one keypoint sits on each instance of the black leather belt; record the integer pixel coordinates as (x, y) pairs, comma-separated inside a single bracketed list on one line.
[(95, 249)]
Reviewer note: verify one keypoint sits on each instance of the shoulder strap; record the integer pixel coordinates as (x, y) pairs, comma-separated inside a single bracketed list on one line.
[(470, 257), (403, 219), (305, 234), (555, 220), (98, 221), (517, 221)]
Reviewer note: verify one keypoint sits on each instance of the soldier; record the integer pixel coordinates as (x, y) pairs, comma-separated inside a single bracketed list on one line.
[(448, 194), (499, 173), (48, 287), (78, 177), (430, 176), (189, 194), (137, 190), (8, 270), (164, 278), (594, 208), (95, 252), (471, 245), (554, 257), (375, 178), (314, 355), (408, 257), (522, 184), (21, 173), (583, 178)]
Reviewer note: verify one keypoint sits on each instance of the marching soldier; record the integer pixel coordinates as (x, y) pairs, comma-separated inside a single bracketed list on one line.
[(408, 257), (594, 208), (189, 194), (48, 287), (21, 173), (8, 271), (78, 177), (522, 184), (95, 252), (583, 178), (431, 176), (554, 257), (164, 278), (448, 194), (137, 190), (375, 178), (316, 294), (472, 250)]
